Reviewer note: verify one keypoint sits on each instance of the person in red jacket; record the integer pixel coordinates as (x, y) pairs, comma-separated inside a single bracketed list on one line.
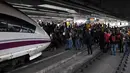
[(107, 40)]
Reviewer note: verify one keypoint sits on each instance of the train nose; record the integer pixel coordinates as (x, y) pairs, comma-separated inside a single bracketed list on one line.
[(48, 37)]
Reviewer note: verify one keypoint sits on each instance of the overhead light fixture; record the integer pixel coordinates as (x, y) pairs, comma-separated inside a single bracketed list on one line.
[(39, 16), (31, 11), (44, 13), (53, 7), (80, 21), (19, 4), (24, 7), (57, 8), (47, 10), (69, 19)]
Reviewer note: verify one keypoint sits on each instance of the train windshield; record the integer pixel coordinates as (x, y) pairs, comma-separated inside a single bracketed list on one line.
[(13, 24)]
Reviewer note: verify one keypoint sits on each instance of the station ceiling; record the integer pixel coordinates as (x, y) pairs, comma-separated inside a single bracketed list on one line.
[(116, 8)]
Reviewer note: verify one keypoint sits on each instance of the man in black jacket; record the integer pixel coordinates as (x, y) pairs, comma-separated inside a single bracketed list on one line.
[(88, 41), (101, 41)]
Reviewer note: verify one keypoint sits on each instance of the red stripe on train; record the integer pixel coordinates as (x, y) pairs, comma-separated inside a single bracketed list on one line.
[(21, 43)]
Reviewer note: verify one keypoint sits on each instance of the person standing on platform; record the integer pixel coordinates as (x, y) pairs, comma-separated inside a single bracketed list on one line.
[(101, 40), (126, 41), (77, 40), (113, 43), (107, 41), (88, 41), (69, 41), (54, 44), (119, 37)]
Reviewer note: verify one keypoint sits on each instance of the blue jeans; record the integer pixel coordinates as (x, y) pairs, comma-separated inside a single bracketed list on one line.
[(77, 43), (69, 43), (113, 49), (126, 50)]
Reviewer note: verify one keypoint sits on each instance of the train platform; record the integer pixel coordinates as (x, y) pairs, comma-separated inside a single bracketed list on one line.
[(126, 68), (106, 63), (60, 59)]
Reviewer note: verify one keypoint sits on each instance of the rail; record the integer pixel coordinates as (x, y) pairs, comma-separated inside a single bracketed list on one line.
[(123, 64), (87, 63)]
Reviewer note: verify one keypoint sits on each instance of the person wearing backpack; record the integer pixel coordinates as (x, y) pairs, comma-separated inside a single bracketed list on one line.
[(113, 43)]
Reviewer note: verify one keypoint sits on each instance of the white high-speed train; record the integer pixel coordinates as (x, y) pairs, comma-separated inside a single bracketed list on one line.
[(20, 37)]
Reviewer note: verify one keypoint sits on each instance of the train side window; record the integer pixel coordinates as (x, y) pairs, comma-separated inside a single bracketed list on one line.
[(13, 28), (3, 26), (13, 24), (28, 28), (31, 31), (24, 29)]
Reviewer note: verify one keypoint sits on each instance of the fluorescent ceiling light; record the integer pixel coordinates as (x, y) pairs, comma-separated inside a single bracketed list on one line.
[(80, 21), (72, 11), (57, 8), (39, 16), (44, 13), (46, 10), (19, 4), (24, 7), (38, 12), (53, 7), (31, 11), (69, 19)]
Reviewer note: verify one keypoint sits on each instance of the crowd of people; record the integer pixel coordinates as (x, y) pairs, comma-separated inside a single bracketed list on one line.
[(115, 39), (76, 37)]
